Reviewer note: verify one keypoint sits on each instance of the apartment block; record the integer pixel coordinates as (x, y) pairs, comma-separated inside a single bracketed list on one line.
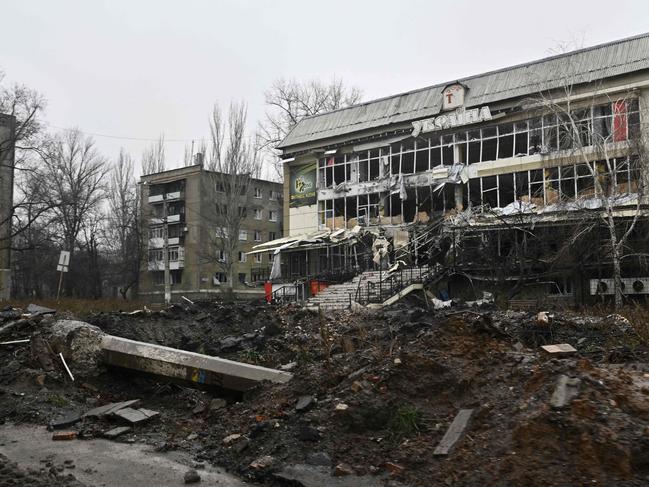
[(182, 203)]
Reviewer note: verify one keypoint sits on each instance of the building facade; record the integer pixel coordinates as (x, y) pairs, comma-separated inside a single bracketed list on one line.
[(182, 202), (7, 125), (506, 178)]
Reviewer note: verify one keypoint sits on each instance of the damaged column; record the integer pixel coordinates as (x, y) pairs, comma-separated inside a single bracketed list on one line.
[(86, 345)]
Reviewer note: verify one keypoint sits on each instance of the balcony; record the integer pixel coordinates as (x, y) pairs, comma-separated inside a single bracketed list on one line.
[(159, 265), (156, 198), (171, 196), (158, 220), (158, 242)]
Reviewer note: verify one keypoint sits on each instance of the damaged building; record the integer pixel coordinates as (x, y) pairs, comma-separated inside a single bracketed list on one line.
[(180, 213), (507, 181)]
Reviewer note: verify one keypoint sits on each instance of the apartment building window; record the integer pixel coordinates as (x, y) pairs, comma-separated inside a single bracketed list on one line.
[(272, 195), (156, 255), (219, 278), (221, 256), (257, 214), (173, 254), (257, 193), (243, 234), (272, 216), (222, 232), (242, 256), (242, 277), (258, 258), (257, 236), (272, 236), (156, 232), (243, 212)]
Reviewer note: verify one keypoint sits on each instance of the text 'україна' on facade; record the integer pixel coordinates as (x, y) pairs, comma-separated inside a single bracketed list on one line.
[(212, 220), (506, 180)]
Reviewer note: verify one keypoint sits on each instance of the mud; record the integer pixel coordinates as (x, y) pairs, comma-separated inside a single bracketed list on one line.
[(377, 392)]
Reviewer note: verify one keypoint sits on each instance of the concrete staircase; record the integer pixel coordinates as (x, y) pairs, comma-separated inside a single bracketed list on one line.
[(337, 296), (340, 296)]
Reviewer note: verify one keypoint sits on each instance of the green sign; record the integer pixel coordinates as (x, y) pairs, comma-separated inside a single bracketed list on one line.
[(303, 181)]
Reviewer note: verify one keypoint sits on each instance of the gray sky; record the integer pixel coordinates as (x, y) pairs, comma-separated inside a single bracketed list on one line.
[(138, 68)]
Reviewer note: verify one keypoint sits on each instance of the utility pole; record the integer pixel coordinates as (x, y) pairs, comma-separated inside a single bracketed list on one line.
[(165, 250)]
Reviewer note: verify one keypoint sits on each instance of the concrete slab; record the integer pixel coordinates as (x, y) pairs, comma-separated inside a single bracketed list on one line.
[(136, 415), (190, 366), (110, 408)]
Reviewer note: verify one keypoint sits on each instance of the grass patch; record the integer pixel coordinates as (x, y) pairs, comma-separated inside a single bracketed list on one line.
[(405, 421), (58, 401)]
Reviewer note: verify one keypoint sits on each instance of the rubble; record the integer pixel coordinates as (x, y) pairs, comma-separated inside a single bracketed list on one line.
[(381, 407)]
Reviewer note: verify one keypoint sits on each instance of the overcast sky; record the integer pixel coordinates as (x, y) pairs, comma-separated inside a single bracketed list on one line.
[(135, 69)]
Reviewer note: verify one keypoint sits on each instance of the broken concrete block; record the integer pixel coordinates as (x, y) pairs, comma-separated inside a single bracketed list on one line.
[(218, 403), (135, 415), (304, 403), (79, 342), (192, 477), (562, 348), (454, 433), (231, 438), (67, 420), (566, 390), (115, 432), (543, 318), (343, 469), (262, 462)]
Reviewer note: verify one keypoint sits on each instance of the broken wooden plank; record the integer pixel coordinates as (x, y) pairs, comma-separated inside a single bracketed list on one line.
[(110, 408), (559, 348), (454, 433), (135, 415)]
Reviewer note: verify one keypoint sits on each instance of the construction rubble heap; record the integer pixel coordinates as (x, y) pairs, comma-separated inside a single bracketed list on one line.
[(405, 395)]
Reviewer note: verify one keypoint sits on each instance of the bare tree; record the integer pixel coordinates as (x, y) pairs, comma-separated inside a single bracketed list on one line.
[(153, 157), (598, 147), (289, 101), (232, 162), (72, 177), (122, 229)]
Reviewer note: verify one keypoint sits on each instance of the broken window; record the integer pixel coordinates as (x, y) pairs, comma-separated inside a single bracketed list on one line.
[(567, 183), (490, 191), (505, 141), (506, 189), (584, 180), (474, 147), (422, 157), (520, 139), (448, 156)]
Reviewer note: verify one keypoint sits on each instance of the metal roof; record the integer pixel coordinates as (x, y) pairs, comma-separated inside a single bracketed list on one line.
[(582, 66)]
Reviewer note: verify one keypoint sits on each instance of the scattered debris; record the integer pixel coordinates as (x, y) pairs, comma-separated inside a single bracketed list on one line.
[(343, 469), (304, 403), (115, 432), (65, 421), (66, 367), (64, 435), (262, 462), (231, 438), (15, 342), (110, 408), (192, 477), (559, 348), (566, 390), (135, 415)]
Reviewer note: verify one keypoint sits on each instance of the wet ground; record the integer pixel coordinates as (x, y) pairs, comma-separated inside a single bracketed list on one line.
[(98, 462)]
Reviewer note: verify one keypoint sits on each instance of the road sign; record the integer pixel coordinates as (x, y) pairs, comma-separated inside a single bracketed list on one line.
[(64, 261)]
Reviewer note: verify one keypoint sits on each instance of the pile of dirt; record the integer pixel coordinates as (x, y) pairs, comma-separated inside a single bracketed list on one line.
[(373, 393)]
